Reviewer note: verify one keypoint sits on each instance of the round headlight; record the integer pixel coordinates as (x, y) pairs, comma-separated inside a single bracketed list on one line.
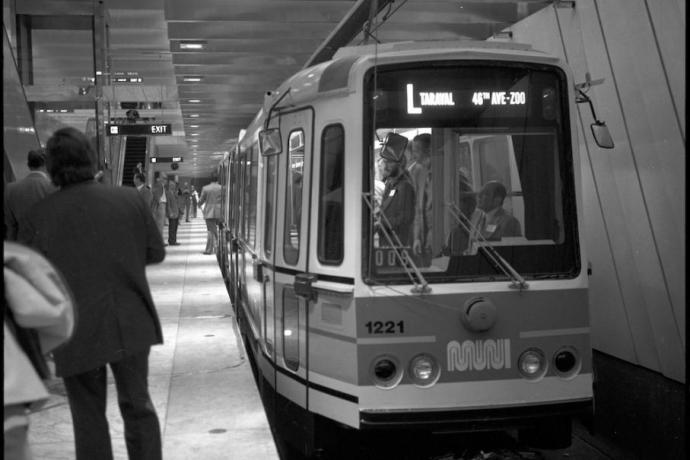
[(424, 370), (567, 362), (532, 364), (385, 372)]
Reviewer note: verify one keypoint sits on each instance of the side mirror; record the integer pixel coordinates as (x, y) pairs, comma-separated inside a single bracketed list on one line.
[(270, 142), (601, 134)]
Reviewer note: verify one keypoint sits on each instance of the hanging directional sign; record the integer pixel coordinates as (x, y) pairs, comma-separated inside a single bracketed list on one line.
[(139, 129), (166, 159)]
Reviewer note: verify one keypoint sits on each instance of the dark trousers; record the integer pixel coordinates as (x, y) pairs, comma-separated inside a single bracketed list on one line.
[(172, 229), (87, 400)]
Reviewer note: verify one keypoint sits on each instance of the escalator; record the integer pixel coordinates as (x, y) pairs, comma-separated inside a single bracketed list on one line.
[(135, 152)]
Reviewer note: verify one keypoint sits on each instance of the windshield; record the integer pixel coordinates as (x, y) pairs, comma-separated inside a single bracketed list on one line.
[(487, 162)]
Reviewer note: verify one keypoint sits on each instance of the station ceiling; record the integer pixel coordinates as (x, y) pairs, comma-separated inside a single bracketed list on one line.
[(247, 48)]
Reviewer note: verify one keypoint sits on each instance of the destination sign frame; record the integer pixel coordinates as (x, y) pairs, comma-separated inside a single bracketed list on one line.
[(139, 129)]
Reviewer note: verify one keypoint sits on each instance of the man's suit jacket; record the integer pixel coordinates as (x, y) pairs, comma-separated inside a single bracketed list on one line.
[(500, 224), (210, 199), (20, 196), (101, 239)]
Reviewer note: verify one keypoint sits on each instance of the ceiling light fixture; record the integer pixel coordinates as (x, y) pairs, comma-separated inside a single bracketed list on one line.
[(192, 78), (193, 126), (194, 101), (193, 115), (198, 45)]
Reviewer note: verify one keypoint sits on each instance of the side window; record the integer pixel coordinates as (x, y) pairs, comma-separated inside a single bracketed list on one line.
[(293, 197), (253, 171), (290, 329), (271, 169), (330, 239)]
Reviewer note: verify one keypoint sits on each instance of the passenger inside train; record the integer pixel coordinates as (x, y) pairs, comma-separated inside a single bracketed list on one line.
[(480, 187)]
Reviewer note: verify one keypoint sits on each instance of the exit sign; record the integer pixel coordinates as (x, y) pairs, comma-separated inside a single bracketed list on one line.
[(139, 129)]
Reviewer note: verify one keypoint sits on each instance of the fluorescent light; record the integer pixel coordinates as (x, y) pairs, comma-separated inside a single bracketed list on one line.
[(192, 45), (194, 115), (194, 134), (195, 100), (190, 78), (193, 126)]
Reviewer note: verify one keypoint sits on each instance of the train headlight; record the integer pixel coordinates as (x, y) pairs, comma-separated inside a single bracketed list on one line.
[(567, 362), (424, 370), (532, 364), (385, 372)]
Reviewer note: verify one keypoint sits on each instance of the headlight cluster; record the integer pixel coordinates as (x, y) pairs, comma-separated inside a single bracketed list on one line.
[(387, 373), (533, 364)]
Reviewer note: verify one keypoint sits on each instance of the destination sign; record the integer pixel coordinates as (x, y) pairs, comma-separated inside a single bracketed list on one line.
[(139, 129), (417, 100)]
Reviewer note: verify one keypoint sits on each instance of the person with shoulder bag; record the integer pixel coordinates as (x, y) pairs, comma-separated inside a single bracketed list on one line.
[(38, 318)]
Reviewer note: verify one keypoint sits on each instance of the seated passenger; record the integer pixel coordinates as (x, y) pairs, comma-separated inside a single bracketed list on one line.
[(398, 198), (497, 222)]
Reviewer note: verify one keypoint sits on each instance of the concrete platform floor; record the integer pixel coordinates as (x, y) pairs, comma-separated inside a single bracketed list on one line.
[(200, 382)]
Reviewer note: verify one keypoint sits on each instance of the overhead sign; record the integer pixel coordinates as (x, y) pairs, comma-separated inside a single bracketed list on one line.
[(139, 129), (167, 159)]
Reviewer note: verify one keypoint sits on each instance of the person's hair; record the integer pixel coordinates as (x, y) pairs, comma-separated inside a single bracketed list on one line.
[(497, 189), (69, 157), (424, 140), (141, 177), (214, 176), (36, 158)]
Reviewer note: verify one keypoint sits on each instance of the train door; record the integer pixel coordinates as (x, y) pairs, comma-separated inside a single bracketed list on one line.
[(292, 238)]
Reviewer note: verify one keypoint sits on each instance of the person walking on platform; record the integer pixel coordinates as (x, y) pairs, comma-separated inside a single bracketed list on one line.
[(210, 200), (38, 317), (194, 196), (159, 201), (101, 239), (21, 195), (143, 189), (187, 199), (173, 210)]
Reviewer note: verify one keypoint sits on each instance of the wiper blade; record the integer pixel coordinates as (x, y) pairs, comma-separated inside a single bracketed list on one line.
[(518, 282), (420, 284)]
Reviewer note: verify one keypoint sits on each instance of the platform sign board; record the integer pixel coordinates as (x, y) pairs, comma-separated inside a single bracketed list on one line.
[(148, 129), (167, 159)]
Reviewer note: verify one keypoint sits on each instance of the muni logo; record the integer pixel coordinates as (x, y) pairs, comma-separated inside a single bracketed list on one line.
[(478, 355)]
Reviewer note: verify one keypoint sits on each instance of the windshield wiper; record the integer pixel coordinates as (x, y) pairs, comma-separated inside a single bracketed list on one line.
[(518, 282), (420, 284)]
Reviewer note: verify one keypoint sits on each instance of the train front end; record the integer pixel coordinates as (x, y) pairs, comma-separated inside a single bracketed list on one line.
[(472, 310)]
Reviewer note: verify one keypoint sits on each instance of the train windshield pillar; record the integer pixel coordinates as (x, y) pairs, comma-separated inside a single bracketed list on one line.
[(488, 163)]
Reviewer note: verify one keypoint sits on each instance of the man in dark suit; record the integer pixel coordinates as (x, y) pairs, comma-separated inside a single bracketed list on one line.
[(497, 222), (21, 195), (101, 239)]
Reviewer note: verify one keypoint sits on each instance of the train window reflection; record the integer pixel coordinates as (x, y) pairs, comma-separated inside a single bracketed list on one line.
[(331, 221)]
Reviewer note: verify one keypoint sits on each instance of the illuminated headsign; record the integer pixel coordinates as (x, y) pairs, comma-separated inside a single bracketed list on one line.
[(441, 99), (139, 129)]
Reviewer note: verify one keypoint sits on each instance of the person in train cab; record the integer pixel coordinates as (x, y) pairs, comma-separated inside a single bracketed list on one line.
[(187, 200), (194, 197), (159, 200), (101, 239), (497, 222), (398, 198), (210, 200), (464, 232), (420, 173), (173, 211), (20, 196), (143, 189)]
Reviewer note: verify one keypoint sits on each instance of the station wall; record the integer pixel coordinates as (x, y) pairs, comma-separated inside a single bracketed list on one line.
[(634, 195)]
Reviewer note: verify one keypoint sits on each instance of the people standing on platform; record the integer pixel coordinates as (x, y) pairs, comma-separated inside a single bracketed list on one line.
[(143, 189), (187, 200), (21, 195), (38, 317), (101, 239), (210, 200), (173, 210), (159, 201), (194, 196)]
